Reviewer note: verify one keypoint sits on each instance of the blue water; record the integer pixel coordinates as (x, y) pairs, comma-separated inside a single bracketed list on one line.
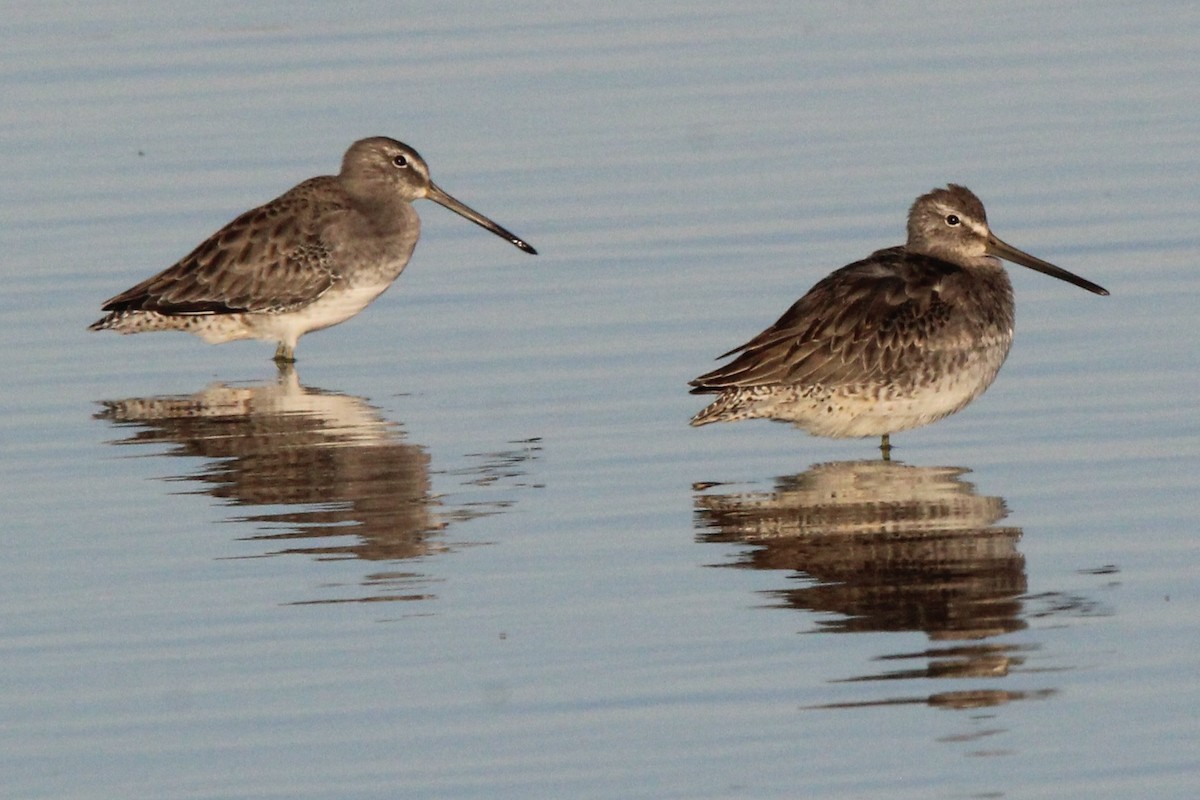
[(471, 547)]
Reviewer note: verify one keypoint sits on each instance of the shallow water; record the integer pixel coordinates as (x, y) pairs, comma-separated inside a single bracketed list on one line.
[(470, 547)]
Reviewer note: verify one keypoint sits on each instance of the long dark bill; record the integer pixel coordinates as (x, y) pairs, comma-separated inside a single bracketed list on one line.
[(441, 198), (1009, 253)]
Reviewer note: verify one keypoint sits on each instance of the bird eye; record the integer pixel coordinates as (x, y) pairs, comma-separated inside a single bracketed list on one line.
[(952, 220), (400, 161)]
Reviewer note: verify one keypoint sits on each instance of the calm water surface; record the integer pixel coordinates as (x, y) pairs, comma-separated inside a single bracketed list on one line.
[(469, 547)]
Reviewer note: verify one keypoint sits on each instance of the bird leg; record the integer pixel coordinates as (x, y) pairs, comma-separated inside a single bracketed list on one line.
[(284, 354)]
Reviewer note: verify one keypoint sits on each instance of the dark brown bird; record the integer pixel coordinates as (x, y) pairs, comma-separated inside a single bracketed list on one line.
[(898, 340)]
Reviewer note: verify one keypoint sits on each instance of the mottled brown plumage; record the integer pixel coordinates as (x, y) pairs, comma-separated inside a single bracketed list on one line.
[(900, 339), (270, 259), (311, 258)]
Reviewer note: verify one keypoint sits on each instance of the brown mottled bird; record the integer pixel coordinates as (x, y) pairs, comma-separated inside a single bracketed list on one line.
[(311, 258), (898, 340)]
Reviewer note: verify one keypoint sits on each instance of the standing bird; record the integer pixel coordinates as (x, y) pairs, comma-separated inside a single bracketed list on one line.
[(898, 340), (311, 258)]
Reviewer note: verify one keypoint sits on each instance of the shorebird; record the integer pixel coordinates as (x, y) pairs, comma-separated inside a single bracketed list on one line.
[(903, 338), (311, 258)]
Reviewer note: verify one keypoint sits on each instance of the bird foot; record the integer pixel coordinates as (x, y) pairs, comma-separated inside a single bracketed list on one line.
[(284, 355)]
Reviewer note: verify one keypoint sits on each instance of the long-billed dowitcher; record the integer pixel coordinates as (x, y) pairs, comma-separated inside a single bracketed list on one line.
[(311, 258), (898, 340)]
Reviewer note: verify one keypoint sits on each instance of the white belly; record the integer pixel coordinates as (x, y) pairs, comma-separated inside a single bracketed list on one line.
[(334, 306)]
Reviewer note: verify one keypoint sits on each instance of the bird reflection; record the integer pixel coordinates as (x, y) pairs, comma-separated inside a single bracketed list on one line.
[(883, 546), (349, 485)]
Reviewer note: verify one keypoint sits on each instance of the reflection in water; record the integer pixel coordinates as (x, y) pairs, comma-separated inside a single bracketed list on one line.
[(882, 546), (350, 487)]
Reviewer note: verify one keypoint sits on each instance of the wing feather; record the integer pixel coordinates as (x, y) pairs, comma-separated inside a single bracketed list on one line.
[(858, 323), (271, 258)]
